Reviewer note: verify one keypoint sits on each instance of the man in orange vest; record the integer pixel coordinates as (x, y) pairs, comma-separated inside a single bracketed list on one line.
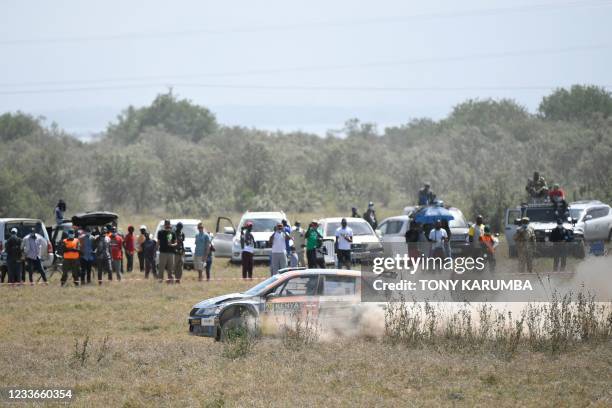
[(71, 262), (489, 243)]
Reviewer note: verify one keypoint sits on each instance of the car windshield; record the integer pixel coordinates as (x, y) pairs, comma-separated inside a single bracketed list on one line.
[(541, 214), (190, 230), (359, 228), (23, 228), (576, 213), (257, 289), (262, 224), (458, 221)]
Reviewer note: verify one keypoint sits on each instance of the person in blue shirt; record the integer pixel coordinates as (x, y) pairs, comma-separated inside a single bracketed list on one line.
[(87, 256), (202, 252), (287, 229)]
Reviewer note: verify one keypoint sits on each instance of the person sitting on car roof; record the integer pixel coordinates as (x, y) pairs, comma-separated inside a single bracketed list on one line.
[(426, 196), (537, 187)]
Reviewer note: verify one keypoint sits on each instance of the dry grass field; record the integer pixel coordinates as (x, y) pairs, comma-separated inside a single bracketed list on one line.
[(126, 344)]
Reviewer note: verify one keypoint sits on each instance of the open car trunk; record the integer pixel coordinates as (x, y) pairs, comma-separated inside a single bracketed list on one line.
[(94, 218)]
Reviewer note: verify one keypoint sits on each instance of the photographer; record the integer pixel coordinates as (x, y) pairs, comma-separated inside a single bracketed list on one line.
[(344, 238), (313, 241)]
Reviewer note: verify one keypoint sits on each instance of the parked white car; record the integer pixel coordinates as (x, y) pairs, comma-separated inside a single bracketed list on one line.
[(24, 227), (227, 234), (365, 241), (190, 229), (594, 219)]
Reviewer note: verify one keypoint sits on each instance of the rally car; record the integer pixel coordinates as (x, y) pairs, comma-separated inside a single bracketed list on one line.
[(319, 293)]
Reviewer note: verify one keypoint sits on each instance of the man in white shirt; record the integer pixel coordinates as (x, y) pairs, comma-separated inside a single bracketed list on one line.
[(344, 238), (278, 241), (437, 237), (33, 246)]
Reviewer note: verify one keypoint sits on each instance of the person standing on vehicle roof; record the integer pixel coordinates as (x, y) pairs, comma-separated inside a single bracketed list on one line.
[(278, 241), (103, 255), (200, 254), (33, 245), (425, 195), (297, 235), (537, 187), (370, 216), (116, 246), (139, 241), (129, 244), (71, 263), (474, 233), (14, 254), (344, 239), (314, 237), (60, 209), (87, 256), (247, 244), (525, 239), (180, 253), (559, 236), (166, 242)]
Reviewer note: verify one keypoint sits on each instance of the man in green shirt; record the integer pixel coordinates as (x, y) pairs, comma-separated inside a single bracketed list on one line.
[(313, 237)]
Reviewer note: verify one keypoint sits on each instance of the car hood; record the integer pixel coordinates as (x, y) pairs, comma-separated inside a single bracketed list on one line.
[(460, 231), (189, 243), (220, 299)]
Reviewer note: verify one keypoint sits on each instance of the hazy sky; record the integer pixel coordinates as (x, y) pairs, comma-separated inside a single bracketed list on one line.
[(295, 65)]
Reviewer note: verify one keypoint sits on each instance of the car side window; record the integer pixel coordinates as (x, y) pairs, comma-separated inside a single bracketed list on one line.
[(383, 228), (298, 286), (597, 212), (513, 215), (339, 285)]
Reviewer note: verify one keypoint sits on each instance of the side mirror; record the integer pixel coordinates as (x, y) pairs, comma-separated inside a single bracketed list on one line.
[(588, 217), (229, 230)]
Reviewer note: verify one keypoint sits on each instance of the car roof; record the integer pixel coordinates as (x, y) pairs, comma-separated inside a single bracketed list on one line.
[(338, 219), (175, 221), (263, 214), (396, 218), (3, 220), (585, 204), (337, 272)]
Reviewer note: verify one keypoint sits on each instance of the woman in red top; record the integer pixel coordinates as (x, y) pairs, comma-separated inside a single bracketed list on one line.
[(556, 194), (116, 244), (129, 245)]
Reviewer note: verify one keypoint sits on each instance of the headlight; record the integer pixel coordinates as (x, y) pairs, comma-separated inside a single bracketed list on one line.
[(206, 311)]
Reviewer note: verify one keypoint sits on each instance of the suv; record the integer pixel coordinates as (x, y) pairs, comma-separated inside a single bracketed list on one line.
[(392, 232), (190, 229), (594, 219), (543, 218), (365, 241), (24, 227), (227, 240)]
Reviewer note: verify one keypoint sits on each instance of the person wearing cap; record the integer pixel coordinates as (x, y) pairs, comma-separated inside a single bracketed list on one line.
[(87, 256), (129, 244), (33, 246), (138, 246), (370, 216), (489, 243), (525, 238), (354, 212), (425, 195), (14, 254), (200, 254), (179, 250), (314, 237), (166, 242), (71, 262), (278, 242), (116, 247), (149, 251), (59, 211), (536, 188), (344, 239), (247, 244), (474, 233), (297, 235), (437, 237), (103, 255), (559, 236)]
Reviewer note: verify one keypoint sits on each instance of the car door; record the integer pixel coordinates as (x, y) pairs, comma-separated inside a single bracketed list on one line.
[(224, 237), (592, 224), (510, 227), (339, 295), (393, 237), (599, 221), (295, 296)]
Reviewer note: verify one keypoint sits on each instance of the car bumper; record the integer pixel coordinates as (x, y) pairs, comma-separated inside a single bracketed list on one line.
[(205, 326), (460, 247), (258, 255)]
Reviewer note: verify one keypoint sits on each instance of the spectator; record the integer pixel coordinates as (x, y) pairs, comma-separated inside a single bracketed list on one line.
[(437, 237), (314, 239), (166, 242), (287, 229), (559, 236), (33, 245), (247, 244), (413, 236), (116, 246), (14, 254), (60, 209), (102, 250), (297, 235), (489, 242), (71, 261), (87, 256), (370, 216), (149, 251), (209, 258), (354, 212), (525, 239), (129, 244), (556, 195), (139, 241), (425, 195), (278, 241), (344, 239), (180, 253), (202, 248), (536, 188), (293, 258), (447, 247), (474, 233)]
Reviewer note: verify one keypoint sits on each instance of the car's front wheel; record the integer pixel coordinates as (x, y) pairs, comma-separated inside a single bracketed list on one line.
[(238, 326)]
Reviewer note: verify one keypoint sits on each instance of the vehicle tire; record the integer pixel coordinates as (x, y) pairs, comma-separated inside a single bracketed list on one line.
[(238, 326)]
